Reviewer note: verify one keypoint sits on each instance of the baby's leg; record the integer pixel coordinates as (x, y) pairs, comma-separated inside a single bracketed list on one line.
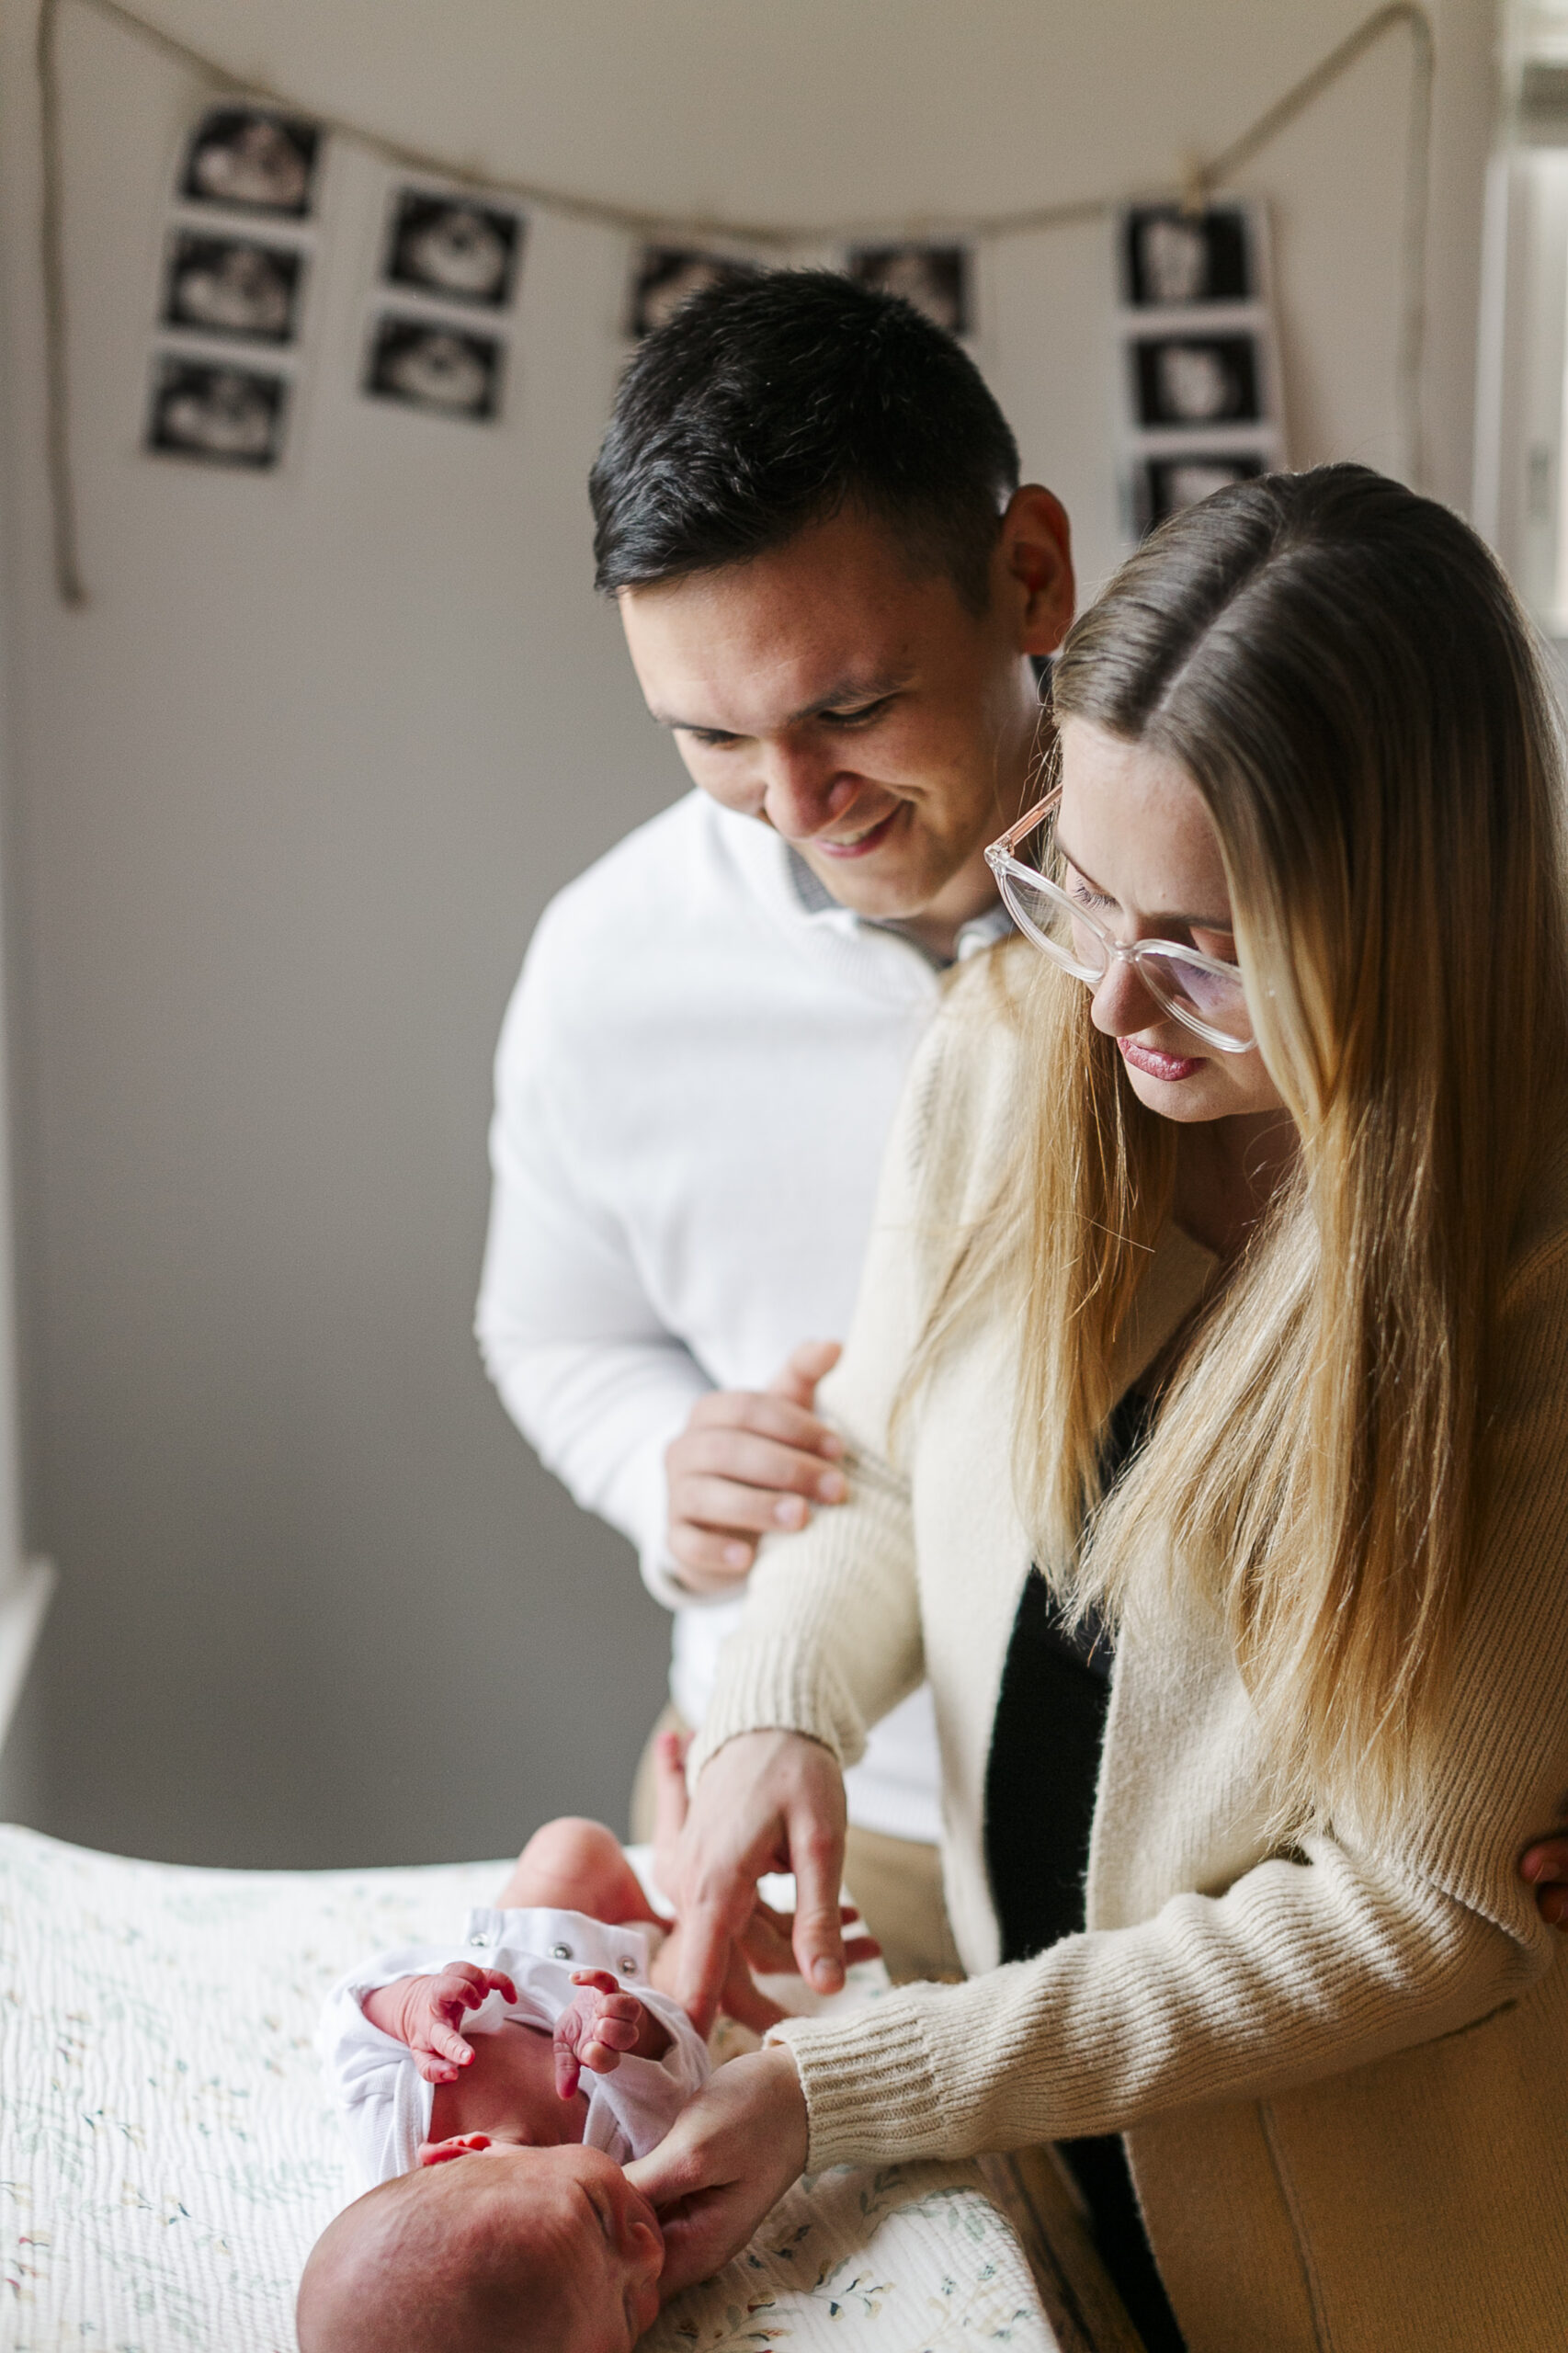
[(573, 1865)]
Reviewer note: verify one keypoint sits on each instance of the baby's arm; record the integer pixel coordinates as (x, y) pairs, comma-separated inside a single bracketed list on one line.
[(599, 2025), (426, 2013)]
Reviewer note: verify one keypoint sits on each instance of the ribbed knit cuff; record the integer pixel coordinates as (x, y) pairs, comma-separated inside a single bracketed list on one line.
[(767, 1686), (869, 2087)]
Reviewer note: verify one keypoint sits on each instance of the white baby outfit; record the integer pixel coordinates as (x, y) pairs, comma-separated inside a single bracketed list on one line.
[(384, 2101)]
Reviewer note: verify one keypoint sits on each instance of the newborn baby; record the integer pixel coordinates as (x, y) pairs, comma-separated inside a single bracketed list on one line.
[(500, 2217), (540, 2026)]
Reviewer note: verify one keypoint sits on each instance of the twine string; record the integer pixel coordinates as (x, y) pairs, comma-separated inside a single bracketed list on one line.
[(1197, 184)]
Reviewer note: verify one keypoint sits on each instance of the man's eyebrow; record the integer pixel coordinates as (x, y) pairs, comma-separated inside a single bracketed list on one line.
[(1189, 923), (851, 691)]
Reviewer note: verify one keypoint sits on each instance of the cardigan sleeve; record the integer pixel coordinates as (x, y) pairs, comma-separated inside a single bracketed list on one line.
[(1309, 1964), (830, 1641)]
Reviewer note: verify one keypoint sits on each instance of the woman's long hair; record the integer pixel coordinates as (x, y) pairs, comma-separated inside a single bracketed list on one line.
[(1343, 671)]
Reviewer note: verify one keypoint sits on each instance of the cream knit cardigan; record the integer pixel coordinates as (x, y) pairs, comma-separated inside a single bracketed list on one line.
[(1342, 2069)]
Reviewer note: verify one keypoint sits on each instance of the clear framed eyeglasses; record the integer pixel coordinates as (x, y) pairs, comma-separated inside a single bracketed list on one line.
[(1203, 994)]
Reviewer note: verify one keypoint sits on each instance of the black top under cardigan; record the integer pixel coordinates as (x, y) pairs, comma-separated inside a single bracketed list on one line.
[(1040, 1784)]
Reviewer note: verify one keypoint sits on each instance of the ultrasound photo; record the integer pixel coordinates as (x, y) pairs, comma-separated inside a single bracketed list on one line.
[(447, 246), (232, 286), (664, 276), (1167, 484), (439, 369), (250, 157), (1175, 258), (1210, 379), (936, 279), (223, 416)]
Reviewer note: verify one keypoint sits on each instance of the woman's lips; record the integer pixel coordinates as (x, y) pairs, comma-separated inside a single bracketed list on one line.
[(1171, 1067), (866, 843)]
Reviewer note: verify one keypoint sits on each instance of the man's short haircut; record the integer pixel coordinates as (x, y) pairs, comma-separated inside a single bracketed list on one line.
[(769, 404)]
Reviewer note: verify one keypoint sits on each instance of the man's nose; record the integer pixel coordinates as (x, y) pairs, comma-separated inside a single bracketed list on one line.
[(1121, 1006), (804, 788)]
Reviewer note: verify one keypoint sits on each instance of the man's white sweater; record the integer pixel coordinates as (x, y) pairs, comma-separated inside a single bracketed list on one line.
[(694, 1085)]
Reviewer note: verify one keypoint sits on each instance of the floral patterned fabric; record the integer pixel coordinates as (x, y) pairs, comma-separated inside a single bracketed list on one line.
[(168, 2154)]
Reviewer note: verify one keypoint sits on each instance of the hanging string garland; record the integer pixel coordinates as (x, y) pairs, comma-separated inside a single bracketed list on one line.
[(1197, 185)]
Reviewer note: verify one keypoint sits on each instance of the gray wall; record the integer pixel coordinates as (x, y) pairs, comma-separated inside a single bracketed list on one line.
[(286, 801)]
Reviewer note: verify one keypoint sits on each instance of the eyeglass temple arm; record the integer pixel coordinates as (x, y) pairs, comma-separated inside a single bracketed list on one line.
[(1030, 819)]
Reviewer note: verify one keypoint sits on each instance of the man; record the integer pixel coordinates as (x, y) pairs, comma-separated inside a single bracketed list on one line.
[(831, 586), (833, 589)]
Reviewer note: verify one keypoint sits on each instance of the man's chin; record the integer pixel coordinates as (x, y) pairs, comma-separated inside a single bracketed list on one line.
[(880, 886)]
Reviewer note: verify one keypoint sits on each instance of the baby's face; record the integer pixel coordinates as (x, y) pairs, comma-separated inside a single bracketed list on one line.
[(506, 2250), (508, 2090), (589, 2243)]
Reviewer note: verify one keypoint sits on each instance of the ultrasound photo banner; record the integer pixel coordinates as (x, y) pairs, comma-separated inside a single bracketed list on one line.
[(256, 162), (1198, 358), (236, 263)]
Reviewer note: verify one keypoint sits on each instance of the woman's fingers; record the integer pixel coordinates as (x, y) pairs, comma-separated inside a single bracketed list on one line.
[(727, 2159), (704, 1963), (768, 1801), (745, 2000), (817, 1852)]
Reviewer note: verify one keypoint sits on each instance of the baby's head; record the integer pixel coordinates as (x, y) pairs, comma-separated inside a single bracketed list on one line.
[(507, 2250)]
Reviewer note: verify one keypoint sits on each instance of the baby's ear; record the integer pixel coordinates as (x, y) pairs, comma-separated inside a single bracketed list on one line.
[(441, 2152)]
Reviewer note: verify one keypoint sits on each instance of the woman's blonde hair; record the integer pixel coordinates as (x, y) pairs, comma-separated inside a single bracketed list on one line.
[(1343, 671)]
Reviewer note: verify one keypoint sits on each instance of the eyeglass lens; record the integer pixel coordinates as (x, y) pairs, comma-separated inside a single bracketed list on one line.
[(1048, 916)]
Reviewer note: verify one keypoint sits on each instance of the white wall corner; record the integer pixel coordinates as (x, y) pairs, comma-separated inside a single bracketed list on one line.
[(22, 1611)]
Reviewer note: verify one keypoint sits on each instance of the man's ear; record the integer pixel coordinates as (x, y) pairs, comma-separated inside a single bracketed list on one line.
[(1035, 557)]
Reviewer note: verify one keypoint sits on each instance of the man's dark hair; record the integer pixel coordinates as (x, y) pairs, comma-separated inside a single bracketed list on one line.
[(769, 404)]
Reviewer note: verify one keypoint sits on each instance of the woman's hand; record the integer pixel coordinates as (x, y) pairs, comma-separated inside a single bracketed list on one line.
[(767, 1802), (725, 2163)]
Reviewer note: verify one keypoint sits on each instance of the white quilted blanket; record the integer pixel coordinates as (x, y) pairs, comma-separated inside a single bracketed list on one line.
[(167, 2156)]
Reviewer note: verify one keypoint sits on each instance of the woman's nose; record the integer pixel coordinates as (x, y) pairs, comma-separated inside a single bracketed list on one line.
[(1121, 1006)]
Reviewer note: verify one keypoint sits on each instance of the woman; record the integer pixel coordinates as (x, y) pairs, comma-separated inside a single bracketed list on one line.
[(1221, 1272)]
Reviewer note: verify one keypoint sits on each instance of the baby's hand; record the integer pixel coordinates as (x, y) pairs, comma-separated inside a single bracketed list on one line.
[(427, 2013), (598, 2026)]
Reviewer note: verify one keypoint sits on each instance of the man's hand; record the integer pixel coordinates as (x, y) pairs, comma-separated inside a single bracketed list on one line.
[(1545, 1865), (726, 2160), (767, 1802), (749, 1461), (427, 2013), (598, 2026)]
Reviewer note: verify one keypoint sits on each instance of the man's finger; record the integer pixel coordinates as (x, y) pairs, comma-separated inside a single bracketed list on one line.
[(753, 1458), (726, 1412), (798, 1376)]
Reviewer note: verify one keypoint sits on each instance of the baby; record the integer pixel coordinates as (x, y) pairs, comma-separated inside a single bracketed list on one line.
[(541, 2026), (580, 2059)]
